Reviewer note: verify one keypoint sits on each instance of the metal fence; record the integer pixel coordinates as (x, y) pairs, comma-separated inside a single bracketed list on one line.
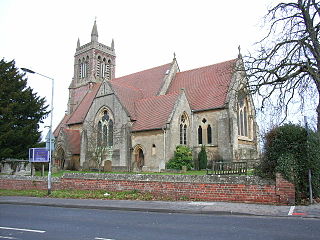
[(228, 168)]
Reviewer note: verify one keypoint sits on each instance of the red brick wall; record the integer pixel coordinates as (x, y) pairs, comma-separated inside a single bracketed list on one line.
[(282, 192)]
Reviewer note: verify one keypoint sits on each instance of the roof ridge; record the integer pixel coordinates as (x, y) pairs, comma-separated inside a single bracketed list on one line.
[(208, 66), (148, 69)]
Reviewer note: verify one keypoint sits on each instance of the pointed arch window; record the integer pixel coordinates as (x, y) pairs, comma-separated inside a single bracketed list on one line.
[(243, 115), (184, 123), (99, 66), (108, 70), (99, 133), (181, 134), (205, 135), (199, 135), (209, 134), (86, 67), (103, 68), (80, 69), (105, 130)]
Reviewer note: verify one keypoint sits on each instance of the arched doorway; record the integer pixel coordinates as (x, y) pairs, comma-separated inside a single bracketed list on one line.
[(60, 159), (138, 159)]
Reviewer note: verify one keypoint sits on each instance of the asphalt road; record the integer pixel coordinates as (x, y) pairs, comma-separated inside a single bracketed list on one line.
[(39, 223)]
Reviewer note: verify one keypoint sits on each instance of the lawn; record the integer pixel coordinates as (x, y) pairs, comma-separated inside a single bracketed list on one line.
[(86, 194)]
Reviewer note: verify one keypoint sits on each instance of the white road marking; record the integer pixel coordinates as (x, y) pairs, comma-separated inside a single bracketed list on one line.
[(23, 230), (2, 237), (202, 203), (291, 210), (97, 238)]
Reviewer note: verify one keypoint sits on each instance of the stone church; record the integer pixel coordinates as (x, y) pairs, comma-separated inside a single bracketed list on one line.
[(136, 121)]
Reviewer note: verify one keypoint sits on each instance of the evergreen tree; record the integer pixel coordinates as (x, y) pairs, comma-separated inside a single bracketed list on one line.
[(202, 158), (21, 111)]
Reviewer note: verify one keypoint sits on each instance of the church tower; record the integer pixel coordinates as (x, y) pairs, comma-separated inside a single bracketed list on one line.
[(93, 62)]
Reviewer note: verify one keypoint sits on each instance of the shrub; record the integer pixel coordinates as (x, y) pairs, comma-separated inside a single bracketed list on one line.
[(202, 158), (182, 157), (292, 151)]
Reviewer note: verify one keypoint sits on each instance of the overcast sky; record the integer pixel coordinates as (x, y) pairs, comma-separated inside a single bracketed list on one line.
[(42, 35)]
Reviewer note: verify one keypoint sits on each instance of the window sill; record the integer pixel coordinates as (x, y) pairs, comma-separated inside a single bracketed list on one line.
[(245, 138), (207, 145)]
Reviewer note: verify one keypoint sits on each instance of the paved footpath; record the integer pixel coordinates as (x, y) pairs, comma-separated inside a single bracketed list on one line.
[(221, 208)]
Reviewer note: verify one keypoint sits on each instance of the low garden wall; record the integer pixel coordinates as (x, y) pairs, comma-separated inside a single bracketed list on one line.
[(207, 188)]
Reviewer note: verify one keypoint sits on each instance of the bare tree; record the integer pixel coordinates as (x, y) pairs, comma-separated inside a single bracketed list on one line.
[(100, 142), (286, 67)]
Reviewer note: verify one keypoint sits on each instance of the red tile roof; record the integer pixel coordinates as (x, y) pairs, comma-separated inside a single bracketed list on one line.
[(205, 87), (153, 113), (61, 125), (148, 81), (81, 111), (128, 96), (73, 140), (79, 93)]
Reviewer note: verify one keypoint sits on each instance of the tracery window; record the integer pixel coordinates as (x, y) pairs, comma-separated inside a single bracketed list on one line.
[(204, 132), (105, 130), (183, 129), (83, 67), (243, 115)]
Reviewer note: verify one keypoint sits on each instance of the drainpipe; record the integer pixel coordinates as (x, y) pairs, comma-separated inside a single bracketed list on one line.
[(164, 148)]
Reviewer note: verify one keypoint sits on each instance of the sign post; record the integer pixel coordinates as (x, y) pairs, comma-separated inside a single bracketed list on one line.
[(38, 155)]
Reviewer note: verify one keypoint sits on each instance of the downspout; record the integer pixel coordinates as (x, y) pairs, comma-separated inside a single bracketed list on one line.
[(164, 149)]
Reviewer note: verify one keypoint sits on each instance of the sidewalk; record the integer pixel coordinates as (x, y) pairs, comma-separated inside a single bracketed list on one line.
[(217, 208)]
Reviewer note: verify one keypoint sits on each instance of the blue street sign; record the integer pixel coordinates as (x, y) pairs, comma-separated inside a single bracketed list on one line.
[(38, 155)]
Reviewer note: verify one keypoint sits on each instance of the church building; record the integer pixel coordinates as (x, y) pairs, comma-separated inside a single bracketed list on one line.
[(136, 121)]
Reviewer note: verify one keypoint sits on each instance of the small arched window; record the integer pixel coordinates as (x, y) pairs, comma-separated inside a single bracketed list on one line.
[(199, 135), (209, 134), (204, 132), (153, 149)]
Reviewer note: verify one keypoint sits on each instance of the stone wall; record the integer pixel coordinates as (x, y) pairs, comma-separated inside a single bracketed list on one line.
[(250, 189)]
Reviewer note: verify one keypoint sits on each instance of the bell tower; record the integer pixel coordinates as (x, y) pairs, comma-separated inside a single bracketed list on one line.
[(93, 62)]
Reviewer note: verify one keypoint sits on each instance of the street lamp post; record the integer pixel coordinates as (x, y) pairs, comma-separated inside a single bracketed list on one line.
[(50, 133)]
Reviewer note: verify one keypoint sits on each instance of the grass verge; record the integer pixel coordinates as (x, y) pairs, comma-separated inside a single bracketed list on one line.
[(86, 194)]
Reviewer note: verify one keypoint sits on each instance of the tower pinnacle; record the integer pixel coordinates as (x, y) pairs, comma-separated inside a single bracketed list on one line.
[(78, 43), (94, 33)]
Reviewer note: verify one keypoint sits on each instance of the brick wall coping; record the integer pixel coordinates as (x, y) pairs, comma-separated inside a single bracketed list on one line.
[(29, 178), (215, 179), (248, 180)]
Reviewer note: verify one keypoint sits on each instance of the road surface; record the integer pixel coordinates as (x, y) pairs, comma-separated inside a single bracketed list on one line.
[(40, 222)]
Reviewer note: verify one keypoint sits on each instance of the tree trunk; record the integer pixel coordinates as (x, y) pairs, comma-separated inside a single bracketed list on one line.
[(318, 115)]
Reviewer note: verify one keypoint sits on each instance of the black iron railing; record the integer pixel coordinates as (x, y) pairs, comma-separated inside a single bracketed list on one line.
[(228, 168)]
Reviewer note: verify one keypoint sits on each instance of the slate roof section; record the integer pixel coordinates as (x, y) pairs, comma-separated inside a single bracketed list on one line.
[(153, 113), (81, 111), (205, 87), (73, 140)]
